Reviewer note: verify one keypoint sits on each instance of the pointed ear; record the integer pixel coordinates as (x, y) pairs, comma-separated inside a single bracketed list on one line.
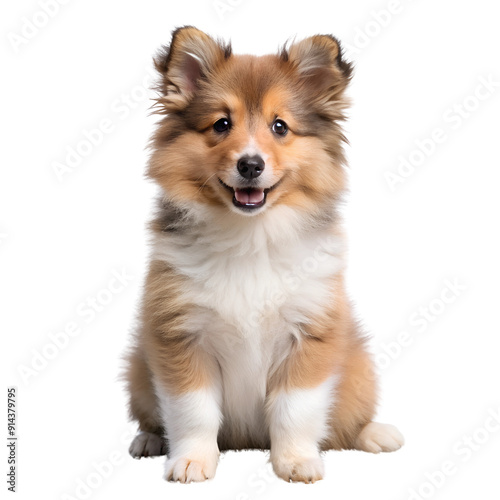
[(319, 63), (191, 56)]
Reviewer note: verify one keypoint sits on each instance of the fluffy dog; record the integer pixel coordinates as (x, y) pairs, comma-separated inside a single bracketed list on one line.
[(246, 336)]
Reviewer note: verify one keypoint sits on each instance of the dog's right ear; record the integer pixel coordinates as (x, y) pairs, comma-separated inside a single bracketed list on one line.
[(191, 56)]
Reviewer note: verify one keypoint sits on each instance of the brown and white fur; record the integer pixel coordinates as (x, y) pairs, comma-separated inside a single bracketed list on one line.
[(246, 336)]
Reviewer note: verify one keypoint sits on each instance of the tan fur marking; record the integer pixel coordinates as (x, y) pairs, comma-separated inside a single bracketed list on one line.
[(174, 356)]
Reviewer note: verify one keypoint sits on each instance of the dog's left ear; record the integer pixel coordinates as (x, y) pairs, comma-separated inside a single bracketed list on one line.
[(191, 56), (318, 61)]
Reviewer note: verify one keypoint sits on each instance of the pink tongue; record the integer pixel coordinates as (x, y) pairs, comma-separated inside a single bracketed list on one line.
[(249, 197)]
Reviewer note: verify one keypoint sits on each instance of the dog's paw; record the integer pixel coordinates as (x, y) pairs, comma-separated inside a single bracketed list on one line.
[(147, 444), (376, 437), (300, 469), (187, 469)]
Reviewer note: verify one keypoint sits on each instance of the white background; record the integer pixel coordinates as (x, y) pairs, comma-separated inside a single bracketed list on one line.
[(61, 239)]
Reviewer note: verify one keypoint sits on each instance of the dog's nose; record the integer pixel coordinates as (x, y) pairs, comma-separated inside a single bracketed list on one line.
[(250, 167)]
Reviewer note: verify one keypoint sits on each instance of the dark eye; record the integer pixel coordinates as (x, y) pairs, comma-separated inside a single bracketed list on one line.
[(222, 125), (280, 127)]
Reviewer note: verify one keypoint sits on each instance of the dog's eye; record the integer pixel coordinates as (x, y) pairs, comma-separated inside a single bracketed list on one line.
[(279, 127), (222, 125)]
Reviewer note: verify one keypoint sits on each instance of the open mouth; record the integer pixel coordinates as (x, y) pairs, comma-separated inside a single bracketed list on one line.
[(248, 198)]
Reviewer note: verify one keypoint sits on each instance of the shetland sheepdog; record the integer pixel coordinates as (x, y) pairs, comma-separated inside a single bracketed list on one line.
[(246, 336)]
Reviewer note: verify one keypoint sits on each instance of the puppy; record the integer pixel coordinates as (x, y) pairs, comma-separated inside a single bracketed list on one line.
[(246, 336)]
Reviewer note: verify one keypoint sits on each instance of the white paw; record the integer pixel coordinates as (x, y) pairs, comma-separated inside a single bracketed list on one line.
[(187, 469), (303, 469), (147, 444), (376, 437)]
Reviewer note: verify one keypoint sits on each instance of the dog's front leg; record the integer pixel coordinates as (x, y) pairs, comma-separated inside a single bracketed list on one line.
[(298, 411), (189, 395)]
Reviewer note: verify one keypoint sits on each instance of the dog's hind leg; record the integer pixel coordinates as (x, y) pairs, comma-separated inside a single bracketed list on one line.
[(143, 407)]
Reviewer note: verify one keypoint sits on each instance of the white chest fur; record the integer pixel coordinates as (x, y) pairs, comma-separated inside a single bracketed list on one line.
[(254, 271), (255, 284)]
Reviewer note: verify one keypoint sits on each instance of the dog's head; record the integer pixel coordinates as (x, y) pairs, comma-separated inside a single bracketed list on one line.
[(248, 133)]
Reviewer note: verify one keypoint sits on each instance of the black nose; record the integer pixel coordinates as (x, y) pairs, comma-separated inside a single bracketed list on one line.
[(250, 167)]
